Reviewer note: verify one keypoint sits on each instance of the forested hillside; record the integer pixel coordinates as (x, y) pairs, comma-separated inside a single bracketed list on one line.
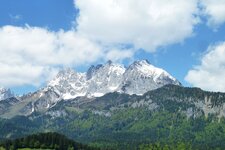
[(44, 141), (169, 117)]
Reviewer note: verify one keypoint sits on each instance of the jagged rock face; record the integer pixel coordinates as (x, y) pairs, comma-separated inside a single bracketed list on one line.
[(69, 83), (138, 78), (39, 101), (192, 102), (5, 93), (5, 104), (105, 79), (99, 80), (141, 77)]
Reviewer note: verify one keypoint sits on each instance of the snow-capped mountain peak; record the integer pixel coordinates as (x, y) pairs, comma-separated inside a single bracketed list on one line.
[(66, 73), (147, 69), (68, 84), (138, 78), (141, 76), (5, 93), (141, 62)]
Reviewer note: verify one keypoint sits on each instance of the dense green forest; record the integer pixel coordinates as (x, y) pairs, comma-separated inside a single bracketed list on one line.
[(44, 141), (55, 141), (134, 129)]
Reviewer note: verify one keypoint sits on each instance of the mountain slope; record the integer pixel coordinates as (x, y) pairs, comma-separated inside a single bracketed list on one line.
[(141, 77), (168, 115), (138, 78)]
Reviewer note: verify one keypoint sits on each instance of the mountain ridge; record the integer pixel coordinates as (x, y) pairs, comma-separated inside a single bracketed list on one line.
[(110, 77), (170, 114), (138, 78)]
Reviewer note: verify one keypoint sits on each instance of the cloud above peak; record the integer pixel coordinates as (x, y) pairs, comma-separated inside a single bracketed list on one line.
[(44, 47), (32, 55), (145, 24), (210, 74), (214, 10)]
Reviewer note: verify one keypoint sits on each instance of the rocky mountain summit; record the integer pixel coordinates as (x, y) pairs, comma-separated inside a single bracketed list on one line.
[(138, 78), (5, 93)]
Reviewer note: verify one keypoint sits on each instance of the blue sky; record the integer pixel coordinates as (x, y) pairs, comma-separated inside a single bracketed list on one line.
[(178, 56), (53, 14)]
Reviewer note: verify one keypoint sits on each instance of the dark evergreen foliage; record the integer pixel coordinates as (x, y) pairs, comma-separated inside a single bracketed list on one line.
[(45, 141)]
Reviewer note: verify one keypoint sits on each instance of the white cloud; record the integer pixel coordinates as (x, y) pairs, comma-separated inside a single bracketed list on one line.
[(118, 55), (209, 75), (26, 74), (146, 24), (30, 54), (215, 11), (43, 47)]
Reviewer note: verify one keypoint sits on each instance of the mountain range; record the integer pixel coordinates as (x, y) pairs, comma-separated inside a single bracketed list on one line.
[(138, 78), (119, 107)]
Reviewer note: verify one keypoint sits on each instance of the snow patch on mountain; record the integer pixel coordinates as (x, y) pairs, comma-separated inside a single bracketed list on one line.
[(141, 76), (5, 93), (138, 78)]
